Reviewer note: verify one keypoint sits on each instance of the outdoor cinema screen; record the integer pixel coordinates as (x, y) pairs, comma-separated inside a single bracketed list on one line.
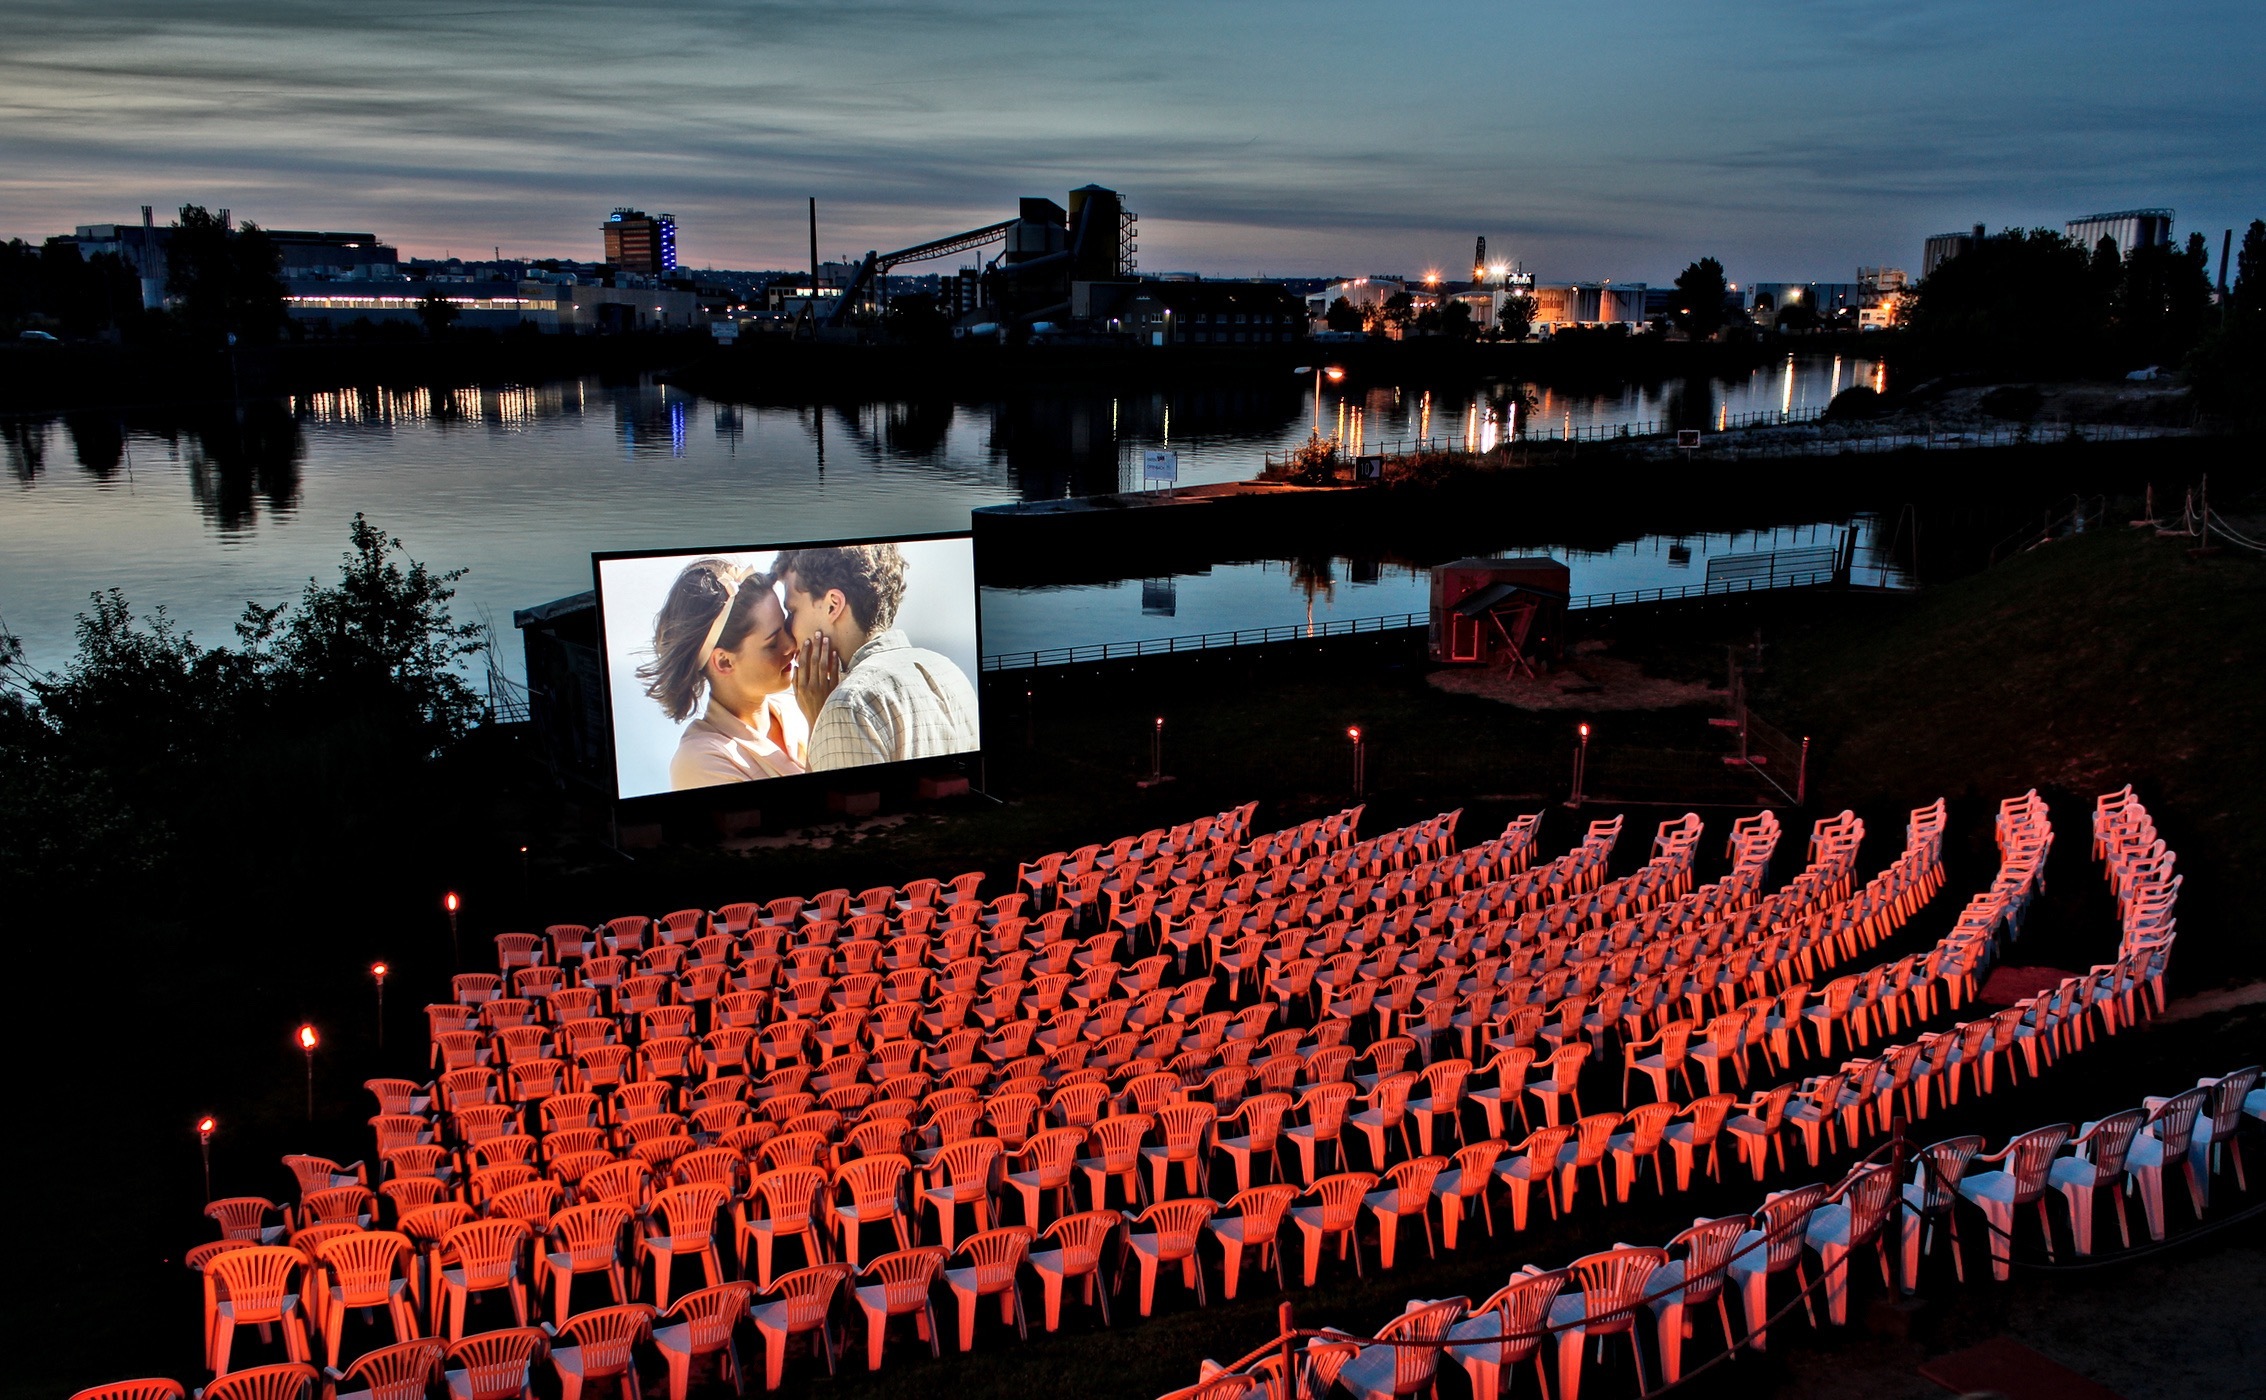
[(739, 665)]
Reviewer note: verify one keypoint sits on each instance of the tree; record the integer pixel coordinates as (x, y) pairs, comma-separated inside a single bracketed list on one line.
[(1515, 319), (53, 288), (2019, 302), (1392, 314), (2247, 298), (1343, 316), (436, 314), (1456, 322), (1700, 295), (2163, 303), (226, 278), (2228, 369), (381, 637)]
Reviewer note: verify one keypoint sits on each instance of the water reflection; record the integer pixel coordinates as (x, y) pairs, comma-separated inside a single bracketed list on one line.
[(521, 483), (98, 439), (243, 458)]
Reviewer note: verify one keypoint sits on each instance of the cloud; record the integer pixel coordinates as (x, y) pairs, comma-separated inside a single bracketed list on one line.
[(1791, 139)]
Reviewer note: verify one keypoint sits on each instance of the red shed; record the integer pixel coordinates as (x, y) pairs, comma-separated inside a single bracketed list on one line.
[(1500, 611)]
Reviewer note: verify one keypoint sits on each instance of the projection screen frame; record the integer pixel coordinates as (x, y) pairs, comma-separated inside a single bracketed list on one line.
[(792, 782)]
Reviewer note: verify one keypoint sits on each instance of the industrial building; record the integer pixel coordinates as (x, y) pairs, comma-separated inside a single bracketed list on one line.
[(1560, 305), (640, 242), (2128, 229), (559, 307)]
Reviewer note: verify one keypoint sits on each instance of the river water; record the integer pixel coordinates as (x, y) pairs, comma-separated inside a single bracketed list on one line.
[(201, 512)]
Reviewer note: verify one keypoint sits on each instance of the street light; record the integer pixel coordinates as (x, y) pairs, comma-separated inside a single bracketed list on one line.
[(378, 971), (1333, 373), (307, 1043)]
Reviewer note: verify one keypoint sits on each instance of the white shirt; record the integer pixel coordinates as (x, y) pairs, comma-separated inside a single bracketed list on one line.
[(720, 747), (895, 701)]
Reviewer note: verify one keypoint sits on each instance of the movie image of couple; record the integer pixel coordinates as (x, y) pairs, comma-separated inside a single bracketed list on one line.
[(767, 664)]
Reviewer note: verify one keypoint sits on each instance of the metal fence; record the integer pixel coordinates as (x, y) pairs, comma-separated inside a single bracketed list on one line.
[(1798, 568), (1202, 641)]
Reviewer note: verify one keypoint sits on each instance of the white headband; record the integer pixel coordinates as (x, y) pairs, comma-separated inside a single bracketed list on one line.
[(731, 580)]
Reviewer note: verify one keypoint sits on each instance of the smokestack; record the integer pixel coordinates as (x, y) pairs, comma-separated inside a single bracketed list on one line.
[(224, 220), (149, 221), (2226, 248)]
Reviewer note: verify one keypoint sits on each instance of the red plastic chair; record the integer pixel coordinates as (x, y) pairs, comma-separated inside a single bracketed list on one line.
[(701, 1325), (496, 1365), (293, 1380), (796, 1304), (1167, 1233), (155, 1388), (993, 1259), (893, 1285), (601, 1346), (403, 1371), (260, 1285)]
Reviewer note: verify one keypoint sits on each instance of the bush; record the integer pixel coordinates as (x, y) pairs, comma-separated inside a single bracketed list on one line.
[(153, 764), (1853, 404)]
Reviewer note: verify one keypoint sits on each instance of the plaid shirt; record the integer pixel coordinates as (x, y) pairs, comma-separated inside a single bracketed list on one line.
[(895, 701)]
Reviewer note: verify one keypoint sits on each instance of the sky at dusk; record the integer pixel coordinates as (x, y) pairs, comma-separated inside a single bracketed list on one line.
[(1619, 140)]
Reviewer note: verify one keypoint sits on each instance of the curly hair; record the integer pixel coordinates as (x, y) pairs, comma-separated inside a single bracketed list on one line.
[(679, 668), (871, 577)]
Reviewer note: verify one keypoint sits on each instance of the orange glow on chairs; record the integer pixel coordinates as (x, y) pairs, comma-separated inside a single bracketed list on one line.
[(293, 1380), (1172, 1231), (1336, 1212), (155, 1388)]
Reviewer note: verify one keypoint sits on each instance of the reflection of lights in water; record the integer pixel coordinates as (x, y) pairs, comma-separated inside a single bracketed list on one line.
[(677, 428), (1722, 415), (1833, 385), (1880, 377), (1786, 395)]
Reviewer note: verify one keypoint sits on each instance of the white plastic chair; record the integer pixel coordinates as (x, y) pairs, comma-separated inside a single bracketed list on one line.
[(1772, 1247), (2029, 1157), (1507, 1329), (2215, 1126), (1690, 1281), (2167, 1140), (1393, 1372), (1928, 1198), (2100, 1152), (1841, 1227)]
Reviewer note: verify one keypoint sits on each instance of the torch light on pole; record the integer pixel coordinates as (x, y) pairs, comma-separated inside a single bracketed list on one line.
[(451, 903), (205, 1127), (1581, 766), (307, 1043), (378, 971), (1360, 758)]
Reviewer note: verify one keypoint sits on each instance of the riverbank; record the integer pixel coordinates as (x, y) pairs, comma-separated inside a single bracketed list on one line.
[(1587, 496)]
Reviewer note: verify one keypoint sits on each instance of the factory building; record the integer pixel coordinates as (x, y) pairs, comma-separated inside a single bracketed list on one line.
[(2128, 229), (1560, 305), (1179, 312)]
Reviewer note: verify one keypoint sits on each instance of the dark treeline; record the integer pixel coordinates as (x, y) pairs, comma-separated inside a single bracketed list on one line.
[(2035, 303), (158, 770)]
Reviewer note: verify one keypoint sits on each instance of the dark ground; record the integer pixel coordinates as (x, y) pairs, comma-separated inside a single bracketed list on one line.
[(2073, 668)]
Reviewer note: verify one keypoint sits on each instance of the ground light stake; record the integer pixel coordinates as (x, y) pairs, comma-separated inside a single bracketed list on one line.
[(1360, 758), (378, 971), (1581, 767), (451, 903), (307, 1043), (1156, 756), (205, 1126)]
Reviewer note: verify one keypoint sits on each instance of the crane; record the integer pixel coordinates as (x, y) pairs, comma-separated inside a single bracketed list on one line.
[(877, 265)]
